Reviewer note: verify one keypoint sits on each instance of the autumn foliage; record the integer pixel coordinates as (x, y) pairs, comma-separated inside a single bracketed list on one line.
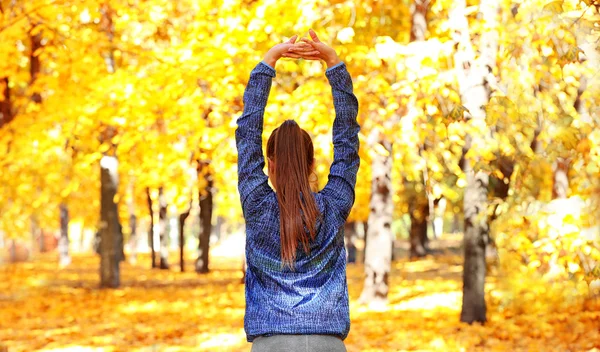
[(158, 85)]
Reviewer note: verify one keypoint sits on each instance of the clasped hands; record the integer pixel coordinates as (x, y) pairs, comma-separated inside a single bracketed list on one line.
[(306, 49)]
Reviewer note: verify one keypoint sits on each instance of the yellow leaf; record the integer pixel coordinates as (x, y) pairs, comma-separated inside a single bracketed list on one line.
[(457, 113), (571, 55), (554, 7)]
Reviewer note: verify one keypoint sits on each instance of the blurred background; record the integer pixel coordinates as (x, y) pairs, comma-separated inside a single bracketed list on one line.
[(480, 148)]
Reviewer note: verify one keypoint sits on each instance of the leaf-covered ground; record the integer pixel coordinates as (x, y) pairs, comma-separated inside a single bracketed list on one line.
[(46, 308)]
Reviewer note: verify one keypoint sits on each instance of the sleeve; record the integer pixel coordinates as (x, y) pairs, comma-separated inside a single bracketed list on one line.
[(339, 190), (252, 181)]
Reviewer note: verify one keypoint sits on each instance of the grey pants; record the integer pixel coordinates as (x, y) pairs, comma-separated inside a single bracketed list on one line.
[(298, 343)]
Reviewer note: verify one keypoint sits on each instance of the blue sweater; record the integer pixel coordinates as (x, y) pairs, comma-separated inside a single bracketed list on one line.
[(312, 298)]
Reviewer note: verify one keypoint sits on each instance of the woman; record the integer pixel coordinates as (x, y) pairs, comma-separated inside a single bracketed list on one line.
[(296, 290)]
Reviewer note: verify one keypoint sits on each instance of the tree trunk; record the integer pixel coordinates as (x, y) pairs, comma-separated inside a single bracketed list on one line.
[(120, 242), (424, 238), (475, 242), (365, 225), (456, 228), (108, 26), (560, 168), (560, 187), (63, 242), (151, 228), (218, 228), (34, 63), (349, 235), (109, 224), (378, 251), (133, 223), (438, 221), (474, 79), (182, 218), (111, 231), (206, 208), (34, 70), (418, 12), (163, 229), (133, 238), (419, 213), (6, 114)]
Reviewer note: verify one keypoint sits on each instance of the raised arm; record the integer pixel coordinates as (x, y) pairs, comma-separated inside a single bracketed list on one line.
[(252, 181), (248, 135), (342, 174)]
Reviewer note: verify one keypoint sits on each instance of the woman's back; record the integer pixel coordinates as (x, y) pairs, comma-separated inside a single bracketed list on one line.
[(312, 297)]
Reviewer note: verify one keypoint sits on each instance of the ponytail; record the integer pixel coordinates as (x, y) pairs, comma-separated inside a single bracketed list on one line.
[(291, 149)]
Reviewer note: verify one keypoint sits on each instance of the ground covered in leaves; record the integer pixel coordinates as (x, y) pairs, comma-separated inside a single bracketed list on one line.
[(45, 308)]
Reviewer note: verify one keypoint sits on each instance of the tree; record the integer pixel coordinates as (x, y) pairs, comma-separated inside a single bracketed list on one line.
[(182, 218), (111, 234), (36, 98), (557, 128), (5, 104), (560, 185), (163, 230), (63, 242), (419, 208), (133, 224), (349, 236), (473, 76), (378, 251), (206, 210), (151, 228), (109, 225), (34, 61)]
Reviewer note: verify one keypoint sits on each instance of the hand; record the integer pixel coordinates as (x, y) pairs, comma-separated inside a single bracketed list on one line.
[(313, 50), (276, 52)]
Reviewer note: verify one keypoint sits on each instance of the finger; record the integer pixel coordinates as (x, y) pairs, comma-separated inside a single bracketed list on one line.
[(292, 40), (300, 47), (308, 53), (314, 37), (291, 55), (310, 42), (311, 57)]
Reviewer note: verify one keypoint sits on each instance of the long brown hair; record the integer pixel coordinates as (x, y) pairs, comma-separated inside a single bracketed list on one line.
[(291, 150)]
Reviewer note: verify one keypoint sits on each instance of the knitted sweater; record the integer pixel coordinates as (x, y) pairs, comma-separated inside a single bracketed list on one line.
[(313, 297)]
